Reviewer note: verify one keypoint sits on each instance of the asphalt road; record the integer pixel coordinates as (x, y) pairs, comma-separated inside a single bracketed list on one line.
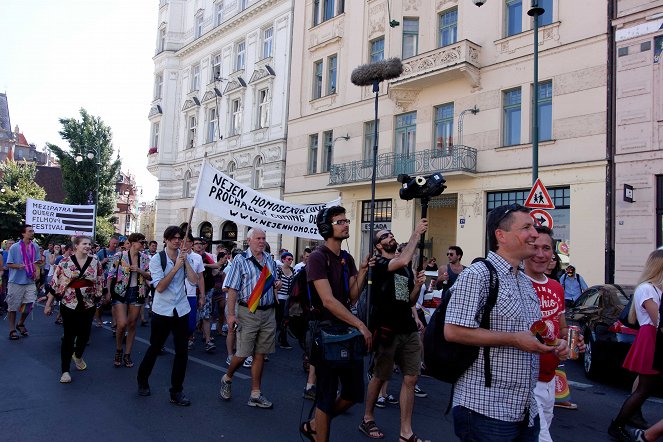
[(102, 403)]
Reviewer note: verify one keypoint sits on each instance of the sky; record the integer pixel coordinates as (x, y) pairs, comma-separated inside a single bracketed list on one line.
[(60, 56)]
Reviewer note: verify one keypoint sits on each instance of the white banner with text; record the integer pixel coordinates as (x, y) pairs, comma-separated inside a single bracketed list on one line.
[(63, 219)]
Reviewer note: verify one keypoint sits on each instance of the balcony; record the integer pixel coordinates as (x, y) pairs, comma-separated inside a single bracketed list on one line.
[(460, 59), (390, 165)]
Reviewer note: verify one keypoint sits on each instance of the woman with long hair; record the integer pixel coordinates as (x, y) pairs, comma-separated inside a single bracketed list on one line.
[(554, 267), (77, 281), (127, 282), (640, 358)]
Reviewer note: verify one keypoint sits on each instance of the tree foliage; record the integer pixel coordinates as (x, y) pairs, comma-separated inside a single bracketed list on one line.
[(17, 184), (88, 135)]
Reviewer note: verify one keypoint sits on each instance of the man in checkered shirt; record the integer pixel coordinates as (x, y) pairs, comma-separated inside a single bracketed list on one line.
[(507, 410)]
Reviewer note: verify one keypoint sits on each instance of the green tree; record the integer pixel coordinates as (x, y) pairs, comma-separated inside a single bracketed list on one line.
[(89, 135), (17, 184)]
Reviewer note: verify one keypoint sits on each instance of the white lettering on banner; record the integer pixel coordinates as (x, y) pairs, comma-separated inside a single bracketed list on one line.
[(220, 195), (64, 219)]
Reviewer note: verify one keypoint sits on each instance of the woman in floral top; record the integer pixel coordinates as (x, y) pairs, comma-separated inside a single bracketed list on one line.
[(127, 282), (77, 280)]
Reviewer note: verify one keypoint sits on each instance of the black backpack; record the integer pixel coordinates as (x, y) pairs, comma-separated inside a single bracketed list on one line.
[(447, 361)]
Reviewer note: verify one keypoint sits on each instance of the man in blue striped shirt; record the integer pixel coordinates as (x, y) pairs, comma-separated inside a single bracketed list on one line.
[(255, 330)]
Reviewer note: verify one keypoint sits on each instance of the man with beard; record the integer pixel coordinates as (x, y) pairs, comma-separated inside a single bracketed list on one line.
[(22, 291)]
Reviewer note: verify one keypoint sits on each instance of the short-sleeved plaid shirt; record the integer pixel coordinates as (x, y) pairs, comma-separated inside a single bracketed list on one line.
[(514, 372), (244, 275)]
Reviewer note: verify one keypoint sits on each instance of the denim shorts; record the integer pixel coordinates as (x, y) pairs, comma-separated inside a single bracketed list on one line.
[(130, 297), (471, 426)]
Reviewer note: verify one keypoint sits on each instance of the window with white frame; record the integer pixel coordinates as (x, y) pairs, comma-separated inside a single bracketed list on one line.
[(410, 37), (377, 49), (236, 116), (158, 85), (267, 39), (317, 79), (511, 115), (545, 110), (406, 133), (195, 77), (232, 169), (186, 188), (240, 52), (312, 153), (212, 124), (154, 141), (258, 173), (514, 17), (218, 13), (263, 108), (198, 27), (216, 67), (547, 17), (243, 4), (161, 45), (444, 126), (328, 150), (331, 74), (369, 140), (192, 126), (316, 12), (448, 27), (324, 10)]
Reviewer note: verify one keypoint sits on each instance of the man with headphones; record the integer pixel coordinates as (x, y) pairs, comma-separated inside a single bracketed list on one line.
[(335, 284)]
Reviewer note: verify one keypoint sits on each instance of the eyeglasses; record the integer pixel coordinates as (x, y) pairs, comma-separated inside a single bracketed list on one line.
[(385, 236), (449, 254), (340, 222), (176, 238)]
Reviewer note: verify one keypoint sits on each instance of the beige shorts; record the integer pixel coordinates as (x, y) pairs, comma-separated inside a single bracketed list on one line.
[(19, 294), (405, 351), (257, 331)]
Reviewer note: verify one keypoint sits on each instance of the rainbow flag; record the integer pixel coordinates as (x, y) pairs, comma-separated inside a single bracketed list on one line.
[(265, 282), (562, 391), (25, 308)]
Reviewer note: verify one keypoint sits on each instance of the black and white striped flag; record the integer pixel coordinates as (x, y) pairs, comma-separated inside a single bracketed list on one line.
[(63, 219)]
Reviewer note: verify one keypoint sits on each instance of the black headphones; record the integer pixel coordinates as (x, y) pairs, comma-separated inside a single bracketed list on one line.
[(324, 226)]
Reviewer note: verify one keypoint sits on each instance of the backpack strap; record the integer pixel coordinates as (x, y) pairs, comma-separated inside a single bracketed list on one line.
[(162, 255), (493, 290)]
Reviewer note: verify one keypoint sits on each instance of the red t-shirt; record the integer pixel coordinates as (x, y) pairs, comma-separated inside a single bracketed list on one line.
[(551, 298)]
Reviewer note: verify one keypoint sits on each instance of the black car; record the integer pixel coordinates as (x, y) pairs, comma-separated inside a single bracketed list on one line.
[(607, 340)]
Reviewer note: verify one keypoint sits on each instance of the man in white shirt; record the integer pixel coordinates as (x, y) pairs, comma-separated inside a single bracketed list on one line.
[(195, 293)]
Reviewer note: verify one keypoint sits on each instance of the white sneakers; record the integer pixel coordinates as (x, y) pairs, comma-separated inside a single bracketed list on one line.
[(65, 378)]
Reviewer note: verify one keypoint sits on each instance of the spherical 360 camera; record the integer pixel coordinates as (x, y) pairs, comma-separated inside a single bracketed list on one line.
[(478, 2)]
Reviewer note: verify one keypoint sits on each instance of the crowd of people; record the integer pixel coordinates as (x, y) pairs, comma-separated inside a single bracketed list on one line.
[(255, 302)]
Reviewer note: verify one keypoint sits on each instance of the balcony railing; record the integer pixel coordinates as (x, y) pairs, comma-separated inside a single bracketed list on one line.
[(390, 165)]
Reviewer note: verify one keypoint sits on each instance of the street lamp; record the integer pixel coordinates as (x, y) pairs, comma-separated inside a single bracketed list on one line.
[(91, 154)]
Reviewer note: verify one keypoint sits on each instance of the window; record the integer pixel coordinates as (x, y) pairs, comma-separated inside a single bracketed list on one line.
[(216, 67), (545, 111), (547, 17), (382, 211), (328, 10), (240, 49), (444, 127), (514, 17), (263, 108), (267, 37), (155, 135), (243, 4), (258, 173), (232, 169), (158, 85), (410, 37), (236, 124), (331, 74), (317, 79), (212, 122), (313, 153), (369, 139), (377, 49), (186, 191), (162, 40), (406, 132), (328, 151), (511, 108), (198, 27), (448, 27), (191, 131), (195, 77), (218, 13), (316, 12)]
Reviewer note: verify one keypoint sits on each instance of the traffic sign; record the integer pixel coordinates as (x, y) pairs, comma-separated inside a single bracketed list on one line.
[(542, 218), (538, 197)]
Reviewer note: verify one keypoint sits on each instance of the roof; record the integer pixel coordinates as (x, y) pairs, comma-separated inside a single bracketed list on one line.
[(50, 178), (21, 141)]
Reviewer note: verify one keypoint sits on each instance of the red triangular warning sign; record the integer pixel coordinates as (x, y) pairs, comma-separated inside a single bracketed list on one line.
[(538, 197)]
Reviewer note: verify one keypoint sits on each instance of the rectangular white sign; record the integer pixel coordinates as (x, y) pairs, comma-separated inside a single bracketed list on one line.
[(63, 219), (220, 195)]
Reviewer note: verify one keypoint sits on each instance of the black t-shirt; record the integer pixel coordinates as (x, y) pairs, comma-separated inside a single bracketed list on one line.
[(325, 264), (391, 297)]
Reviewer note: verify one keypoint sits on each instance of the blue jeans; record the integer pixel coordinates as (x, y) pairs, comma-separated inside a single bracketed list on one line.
[(471, 426)]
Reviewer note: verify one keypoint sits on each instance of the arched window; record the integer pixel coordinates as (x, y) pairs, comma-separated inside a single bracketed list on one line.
[(228, 232), (187, 184), (232, 167), (207, 233), (258, 173)]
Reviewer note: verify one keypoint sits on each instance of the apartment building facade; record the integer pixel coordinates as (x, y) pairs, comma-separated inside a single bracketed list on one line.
[(461, 107), (220, 93)]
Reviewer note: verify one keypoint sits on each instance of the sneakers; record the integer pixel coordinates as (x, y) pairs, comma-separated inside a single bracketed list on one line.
[(65, 378), (309, 393), (285, 345), (381, 402), (179, 399), (637, 435), (190, 345), (418, 392), (143, 390), (229, 360), (392, 400), (618, 432), (226, 390), (80, 363), (260, 402), (210, 347), (248, 362), (567, 405)]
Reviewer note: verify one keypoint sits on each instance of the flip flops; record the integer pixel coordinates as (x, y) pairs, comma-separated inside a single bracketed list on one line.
[(13, 335)]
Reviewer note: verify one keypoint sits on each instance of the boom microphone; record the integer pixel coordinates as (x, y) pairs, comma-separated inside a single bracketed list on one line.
[(367, 74)]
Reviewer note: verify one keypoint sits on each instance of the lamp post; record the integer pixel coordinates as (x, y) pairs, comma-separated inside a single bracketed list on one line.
[(91, 154), (534, 12)]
